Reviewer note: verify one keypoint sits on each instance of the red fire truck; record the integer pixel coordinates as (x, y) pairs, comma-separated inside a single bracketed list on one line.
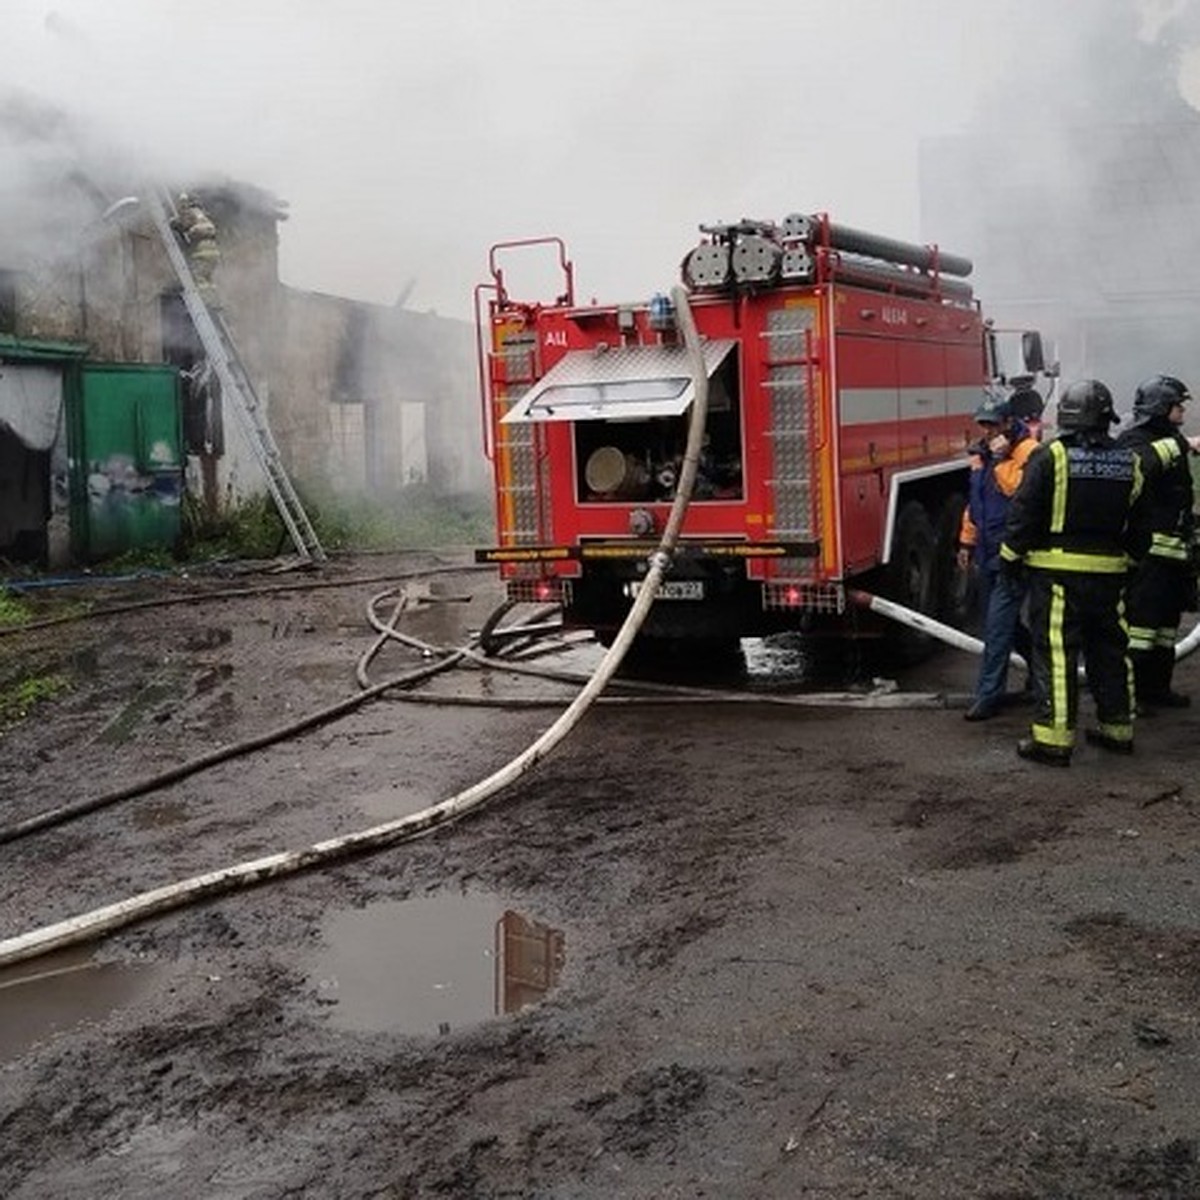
[(843, 368)]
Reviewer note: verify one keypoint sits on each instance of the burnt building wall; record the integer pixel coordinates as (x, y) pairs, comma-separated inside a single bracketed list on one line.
[(358, 396)]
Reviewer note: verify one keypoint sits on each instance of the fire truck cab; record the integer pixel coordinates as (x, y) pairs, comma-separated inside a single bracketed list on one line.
[(843, 370)]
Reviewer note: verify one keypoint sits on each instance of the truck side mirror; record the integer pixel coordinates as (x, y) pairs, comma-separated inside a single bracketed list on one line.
[(1031, 351)]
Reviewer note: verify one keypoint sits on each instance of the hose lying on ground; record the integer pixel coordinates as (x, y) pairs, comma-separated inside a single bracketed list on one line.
[(200, 597), (443, 661), (79, 808), (115, 916)]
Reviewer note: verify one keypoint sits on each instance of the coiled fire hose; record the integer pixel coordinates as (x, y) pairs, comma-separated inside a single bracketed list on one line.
[(91, 925)]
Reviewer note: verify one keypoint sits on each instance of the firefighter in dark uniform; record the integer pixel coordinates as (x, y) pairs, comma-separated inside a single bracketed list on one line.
[(1163, 586), (1073, 523)]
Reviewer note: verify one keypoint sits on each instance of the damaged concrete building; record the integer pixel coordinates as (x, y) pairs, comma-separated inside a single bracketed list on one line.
[(361, 398)]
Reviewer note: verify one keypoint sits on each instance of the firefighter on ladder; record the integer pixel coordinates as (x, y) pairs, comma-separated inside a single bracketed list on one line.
[(1075, 521), (199, 235), (1163, 586)]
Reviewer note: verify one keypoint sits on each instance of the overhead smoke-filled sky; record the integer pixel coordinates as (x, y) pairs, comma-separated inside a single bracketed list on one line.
[(408, 137)]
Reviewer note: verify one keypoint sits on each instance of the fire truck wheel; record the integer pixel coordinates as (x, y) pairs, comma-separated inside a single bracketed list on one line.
[(954, 586), (912, 577)]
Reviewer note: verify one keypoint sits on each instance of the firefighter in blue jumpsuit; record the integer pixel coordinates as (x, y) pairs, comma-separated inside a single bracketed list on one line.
[(1074, 523), (1163, 586), (996, 467)]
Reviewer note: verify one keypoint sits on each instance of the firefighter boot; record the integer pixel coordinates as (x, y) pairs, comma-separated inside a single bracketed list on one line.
[(1152, 674), (1114, 745), (1163, 695), (1050, 756)]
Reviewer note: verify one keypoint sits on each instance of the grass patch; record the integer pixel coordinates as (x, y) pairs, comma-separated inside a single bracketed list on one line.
[(413, 518), (141, 558), (14, 612), (18, 700)]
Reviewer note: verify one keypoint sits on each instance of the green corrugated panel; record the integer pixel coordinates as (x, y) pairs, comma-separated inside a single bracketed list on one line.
[(126, 459)]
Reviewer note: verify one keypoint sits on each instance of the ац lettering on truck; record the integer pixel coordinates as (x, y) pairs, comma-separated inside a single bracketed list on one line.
[(844, 369)]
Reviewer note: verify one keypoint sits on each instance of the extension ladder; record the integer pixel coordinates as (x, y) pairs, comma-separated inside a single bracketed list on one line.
[(236, 387)]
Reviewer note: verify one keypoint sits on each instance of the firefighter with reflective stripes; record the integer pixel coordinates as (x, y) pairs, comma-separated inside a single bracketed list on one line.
[(1074, 523), (1163, 586)]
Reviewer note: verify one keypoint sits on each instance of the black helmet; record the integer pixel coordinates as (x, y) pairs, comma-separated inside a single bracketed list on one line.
[(1156, 397), (1026, 404), (1086, 405)]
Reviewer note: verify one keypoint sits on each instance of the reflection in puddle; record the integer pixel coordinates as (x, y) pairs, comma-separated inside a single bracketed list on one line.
[(789, 661), (436, 964), (57, 991), (778, 661)]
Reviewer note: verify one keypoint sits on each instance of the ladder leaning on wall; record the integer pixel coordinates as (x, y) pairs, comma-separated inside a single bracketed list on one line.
[(236, 387)]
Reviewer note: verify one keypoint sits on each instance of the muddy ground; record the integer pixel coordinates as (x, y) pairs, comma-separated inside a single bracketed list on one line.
[(763, 950)]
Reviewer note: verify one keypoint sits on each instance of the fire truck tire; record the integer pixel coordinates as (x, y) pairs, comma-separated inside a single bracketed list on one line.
[(912, 577), (954, 586)]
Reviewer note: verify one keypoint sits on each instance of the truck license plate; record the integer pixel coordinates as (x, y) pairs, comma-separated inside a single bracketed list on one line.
[(674, 589)]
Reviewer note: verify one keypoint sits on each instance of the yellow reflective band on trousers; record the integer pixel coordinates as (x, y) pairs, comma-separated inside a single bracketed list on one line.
[(1130, 685), (1118, 733), (1074, 560), (1167, 545), (1164, 638), (1060, 733), (1143, 638)]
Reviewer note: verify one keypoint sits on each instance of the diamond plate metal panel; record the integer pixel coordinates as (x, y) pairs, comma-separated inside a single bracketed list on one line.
[(789, 426), (519, 442)]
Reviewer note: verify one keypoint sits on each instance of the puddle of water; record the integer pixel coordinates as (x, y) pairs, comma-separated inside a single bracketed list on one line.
[(777, 661), (208, 639), (160, 815), (393, 802), (323, 672), (789, 661), (164, 689), (431, 965), (438, 622), (59, 991)]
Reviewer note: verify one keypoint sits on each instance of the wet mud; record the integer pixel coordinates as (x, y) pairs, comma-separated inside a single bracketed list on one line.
[(724, 950)]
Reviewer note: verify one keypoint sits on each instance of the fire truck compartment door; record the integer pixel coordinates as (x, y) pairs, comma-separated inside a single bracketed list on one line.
[(629, 382)]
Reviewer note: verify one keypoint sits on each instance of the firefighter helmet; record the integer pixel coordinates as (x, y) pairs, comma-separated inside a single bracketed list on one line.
[(1026, 404), (1156, 397), (1086, 405)]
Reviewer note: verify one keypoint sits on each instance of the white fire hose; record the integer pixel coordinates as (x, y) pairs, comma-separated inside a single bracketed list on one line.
[(964, 641), (91, 925)]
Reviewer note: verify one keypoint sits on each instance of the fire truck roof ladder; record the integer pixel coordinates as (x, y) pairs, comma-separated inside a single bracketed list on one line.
[(236, 387)]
